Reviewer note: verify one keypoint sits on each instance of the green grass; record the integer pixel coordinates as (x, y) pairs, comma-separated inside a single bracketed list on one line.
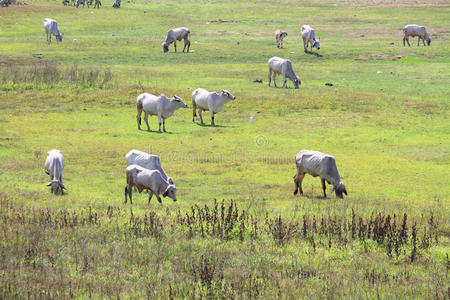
[(385, 120)]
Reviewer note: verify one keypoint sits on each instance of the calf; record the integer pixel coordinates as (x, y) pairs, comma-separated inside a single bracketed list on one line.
[(279, 36)]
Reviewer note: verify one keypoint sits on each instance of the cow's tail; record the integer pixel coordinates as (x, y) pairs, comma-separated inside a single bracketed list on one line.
[(139, 107)]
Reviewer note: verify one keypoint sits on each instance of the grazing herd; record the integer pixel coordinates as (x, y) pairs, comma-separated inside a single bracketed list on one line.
[(144, 171)]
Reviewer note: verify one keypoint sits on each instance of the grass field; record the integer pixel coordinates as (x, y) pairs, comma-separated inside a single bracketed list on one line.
[(236, 230)]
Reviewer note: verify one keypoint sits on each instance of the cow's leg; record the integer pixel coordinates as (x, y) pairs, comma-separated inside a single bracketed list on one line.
[(200, 115), (284, 81), (138, 117), (423, 41), (418, 41), (150, 196), (211, 112), (270, 75), (164, 124), (298, 178), (159, 198), (188, 45), (407, 40), (404, 41), (275, 79), (324, 188), (175, 45), (126, 192), (159, 120), (146, 120), (305, 45)]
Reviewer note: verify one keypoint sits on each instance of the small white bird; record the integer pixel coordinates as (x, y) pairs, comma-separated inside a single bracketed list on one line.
[(251, 118)]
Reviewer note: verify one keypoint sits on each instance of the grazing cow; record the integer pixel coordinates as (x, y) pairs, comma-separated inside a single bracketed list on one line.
[(174, 35), (82, 2), (309, 36), (416, 30), (279, 65), (51, 27), (154, 105), (116, 4), (212, 101), (148, 161), (151, 180), (54, 165), (279, 36), (318, 164), (98, 3)]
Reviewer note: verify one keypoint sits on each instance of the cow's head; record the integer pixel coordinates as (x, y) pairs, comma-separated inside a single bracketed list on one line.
[(316, 44), (56, 185), (340, 189), (297, 82), (428, 41), (284, 34), (165, 47), (59, 37), (171, 192), (228, 95), (178, 101)]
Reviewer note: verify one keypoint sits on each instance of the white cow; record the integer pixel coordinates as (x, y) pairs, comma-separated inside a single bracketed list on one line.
[(212, 101), (319, 164), (279, 65), (279, 36), (309, 36), (151, 180), (161, 106), (116, 4), (148, 161), (51, 27), (174, 35), (54, 165), (415, 30)]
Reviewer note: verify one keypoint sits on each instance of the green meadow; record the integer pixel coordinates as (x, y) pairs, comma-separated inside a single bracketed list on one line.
[(236, 231)]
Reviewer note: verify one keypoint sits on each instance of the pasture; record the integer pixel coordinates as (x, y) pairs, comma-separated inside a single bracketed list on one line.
[(237, 230)]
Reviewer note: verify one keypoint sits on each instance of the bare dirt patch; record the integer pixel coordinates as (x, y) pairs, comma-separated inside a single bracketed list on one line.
[(378, 57), (390, 3)]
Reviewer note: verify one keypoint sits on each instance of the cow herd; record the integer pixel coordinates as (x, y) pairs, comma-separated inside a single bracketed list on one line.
[(144, 171)]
